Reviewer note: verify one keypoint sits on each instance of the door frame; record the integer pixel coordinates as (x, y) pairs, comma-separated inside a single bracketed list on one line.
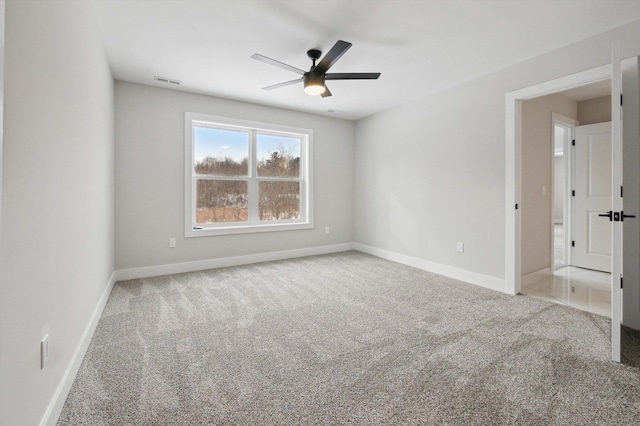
[(568, 163), (513, 171)]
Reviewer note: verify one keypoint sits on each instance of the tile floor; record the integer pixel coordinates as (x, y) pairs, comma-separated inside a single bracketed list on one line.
[(580, 288)]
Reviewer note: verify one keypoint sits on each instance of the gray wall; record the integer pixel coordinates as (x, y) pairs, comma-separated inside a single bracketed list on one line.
[(597, 110), (432, 172), (57, 221), (150, 178)]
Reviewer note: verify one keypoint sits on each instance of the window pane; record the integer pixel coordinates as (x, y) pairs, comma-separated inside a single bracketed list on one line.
[(221, 152), (278, 156), (221, 201), (279, 200)]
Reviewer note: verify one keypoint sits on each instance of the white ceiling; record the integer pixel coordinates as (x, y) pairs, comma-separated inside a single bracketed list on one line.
[(590, 91), (420, 47)]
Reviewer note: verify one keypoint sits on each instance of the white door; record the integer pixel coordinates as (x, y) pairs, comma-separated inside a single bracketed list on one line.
[(631, 193), (592, 232)]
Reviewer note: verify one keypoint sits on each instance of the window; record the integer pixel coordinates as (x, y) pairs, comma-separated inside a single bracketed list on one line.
[(245, 177)]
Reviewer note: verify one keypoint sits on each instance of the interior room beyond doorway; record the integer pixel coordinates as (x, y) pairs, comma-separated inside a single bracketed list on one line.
[(548, 229)]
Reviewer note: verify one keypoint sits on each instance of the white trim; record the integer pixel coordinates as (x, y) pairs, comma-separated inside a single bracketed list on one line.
[(567, 166), (616, 200), (562, 120), (199, 265), (51, 415), (513, 105), (475, 278)]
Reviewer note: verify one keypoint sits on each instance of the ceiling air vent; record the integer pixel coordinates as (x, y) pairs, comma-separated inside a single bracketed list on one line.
[(167, 80)]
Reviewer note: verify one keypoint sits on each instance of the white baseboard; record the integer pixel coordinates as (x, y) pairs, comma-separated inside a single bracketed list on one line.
[(177, 268), (437, 268), (535, 276), (56, 404), (199, 265)]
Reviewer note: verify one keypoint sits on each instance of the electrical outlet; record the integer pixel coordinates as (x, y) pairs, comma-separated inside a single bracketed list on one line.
[(326, 230), (172, 242), (44, 351), (460, 247)]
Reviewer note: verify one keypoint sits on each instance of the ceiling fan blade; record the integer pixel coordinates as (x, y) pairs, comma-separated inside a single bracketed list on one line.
[(332, 56), (352, 76), (279, 85), (278, 64), (326, 92)]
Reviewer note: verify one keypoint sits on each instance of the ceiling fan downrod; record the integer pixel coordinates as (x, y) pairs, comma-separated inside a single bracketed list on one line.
[(314, 54)]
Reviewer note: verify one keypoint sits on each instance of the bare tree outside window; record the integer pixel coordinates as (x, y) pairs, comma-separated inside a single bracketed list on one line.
[(278, 157), (279, 200), (222, 166), (221, 201)]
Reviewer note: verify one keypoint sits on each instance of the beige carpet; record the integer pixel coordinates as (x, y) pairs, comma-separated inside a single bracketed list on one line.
[(344, 339)]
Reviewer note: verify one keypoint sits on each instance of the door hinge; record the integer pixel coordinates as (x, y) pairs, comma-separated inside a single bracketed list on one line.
[(516, 207), (573, 243), (621, 190), (573, 142), (620, 99), (620, 282), (573, 192)]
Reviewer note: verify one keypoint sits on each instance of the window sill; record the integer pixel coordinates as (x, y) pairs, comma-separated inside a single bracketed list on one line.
[(246, 229)]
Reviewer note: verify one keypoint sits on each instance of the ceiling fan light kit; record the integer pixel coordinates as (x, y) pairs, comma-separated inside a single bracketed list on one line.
[(314, 79), (313, 84)]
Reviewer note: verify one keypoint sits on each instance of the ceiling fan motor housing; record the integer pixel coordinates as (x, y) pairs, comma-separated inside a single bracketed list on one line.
[(312, 79)]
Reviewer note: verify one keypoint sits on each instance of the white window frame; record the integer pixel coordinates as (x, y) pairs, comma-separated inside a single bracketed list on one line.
[(253, 224)]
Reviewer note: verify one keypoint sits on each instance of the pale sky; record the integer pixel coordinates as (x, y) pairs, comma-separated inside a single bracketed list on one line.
[(235, 144)]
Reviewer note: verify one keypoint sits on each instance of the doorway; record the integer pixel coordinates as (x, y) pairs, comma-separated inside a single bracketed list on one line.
[(562, 183), (621, 75), (513, 189), (554, 225)]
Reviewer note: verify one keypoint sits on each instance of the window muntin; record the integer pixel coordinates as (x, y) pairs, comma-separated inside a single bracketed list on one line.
[(245, 177)]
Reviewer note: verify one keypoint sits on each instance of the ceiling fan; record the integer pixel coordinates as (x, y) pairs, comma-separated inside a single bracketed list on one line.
[(314, 79)]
